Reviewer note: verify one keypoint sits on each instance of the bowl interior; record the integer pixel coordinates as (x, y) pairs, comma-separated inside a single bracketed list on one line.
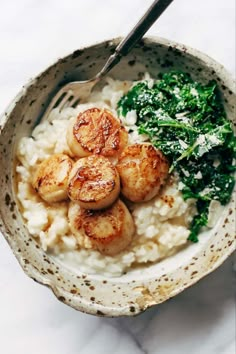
[(140, 288)]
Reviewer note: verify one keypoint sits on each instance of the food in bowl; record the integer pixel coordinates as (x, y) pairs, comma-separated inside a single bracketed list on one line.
[(94, 183), (172, 123), (108, 230), (143, 171), (51, 178), (96, 131)]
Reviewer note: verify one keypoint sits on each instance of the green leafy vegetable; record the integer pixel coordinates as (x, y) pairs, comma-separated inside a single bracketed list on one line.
[(187, 121)]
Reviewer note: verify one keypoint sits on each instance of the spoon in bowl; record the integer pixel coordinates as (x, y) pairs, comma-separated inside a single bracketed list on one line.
[(73, 92)]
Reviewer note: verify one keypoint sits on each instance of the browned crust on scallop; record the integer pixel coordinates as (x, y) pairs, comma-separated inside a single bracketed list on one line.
[(99, 132), (88, 220), (109, 230), (48, 171), (148, 170), (94, 182)]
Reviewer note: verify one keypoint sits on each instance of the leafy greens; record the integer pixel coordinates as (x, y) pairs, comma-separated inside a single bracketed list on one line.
[(187, 121)]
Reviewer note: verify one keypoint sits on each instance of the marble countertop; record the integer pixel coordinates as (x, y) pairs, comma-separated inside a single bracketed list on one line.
[(202, 319)]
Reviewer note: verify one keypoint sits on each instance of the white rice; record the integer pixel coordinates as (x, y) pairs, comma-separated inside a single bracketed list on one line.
[(161, 226)]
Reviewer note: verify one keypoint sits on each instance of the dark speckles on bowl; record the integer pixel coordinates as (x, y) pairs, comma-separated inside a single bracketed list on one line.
[(135, 291)]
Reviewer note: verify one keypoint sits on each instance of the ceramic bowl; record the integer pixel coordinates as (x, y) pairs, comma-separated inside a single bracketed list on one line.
[(136, 291)]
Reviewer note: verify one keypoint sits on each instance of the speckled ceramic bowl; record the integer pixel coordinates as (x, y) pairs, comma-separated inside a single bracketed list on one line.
[(136, 291)]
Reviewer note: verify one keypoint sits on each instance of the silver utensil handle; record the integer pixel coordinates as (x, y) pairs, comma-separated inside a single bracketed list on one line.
[(123, 48)]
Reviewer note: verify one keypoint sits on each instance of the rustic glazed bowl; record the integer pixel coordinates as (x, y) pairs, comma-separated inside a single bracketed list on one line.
[(136, 291)]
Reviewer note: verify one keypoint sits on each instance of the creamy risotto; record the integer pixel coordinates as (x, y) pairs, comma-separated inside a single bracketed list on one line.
[(161, 224)]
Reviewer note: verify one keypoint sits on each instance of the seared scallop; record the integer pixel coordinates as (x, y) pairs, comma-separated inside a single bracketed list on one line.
[(51, 178), (94, 182), (143, 170), (96, 131), (109, 231)]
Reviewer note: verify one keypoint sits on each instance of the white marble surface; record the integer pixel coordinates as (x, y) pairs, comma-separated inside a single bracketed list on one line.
[(202, 319)]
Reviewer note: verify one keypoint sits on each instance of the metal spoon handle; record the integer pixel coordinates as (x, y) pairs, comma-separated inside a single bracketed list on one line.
[(123, 48)]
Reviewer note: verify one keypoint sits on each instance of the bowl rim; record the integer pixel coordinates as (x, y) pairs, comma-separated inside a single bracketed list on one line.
[(84, 305)]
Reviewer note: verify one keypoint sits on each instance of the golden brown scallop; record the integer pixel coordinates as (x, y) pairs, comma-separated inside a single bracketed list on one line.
[(109, 231), (94, 182), (51, 178), (143, 170), (96, 131)]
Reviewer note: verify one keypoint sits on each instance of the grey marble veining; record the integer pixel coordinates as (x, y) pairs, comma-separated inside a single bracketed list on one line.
[(199, 321)]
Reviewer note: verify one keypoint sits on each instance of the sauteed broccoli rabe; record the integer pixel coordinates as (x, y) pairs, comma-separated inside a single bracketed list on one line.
[(187, 121)]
